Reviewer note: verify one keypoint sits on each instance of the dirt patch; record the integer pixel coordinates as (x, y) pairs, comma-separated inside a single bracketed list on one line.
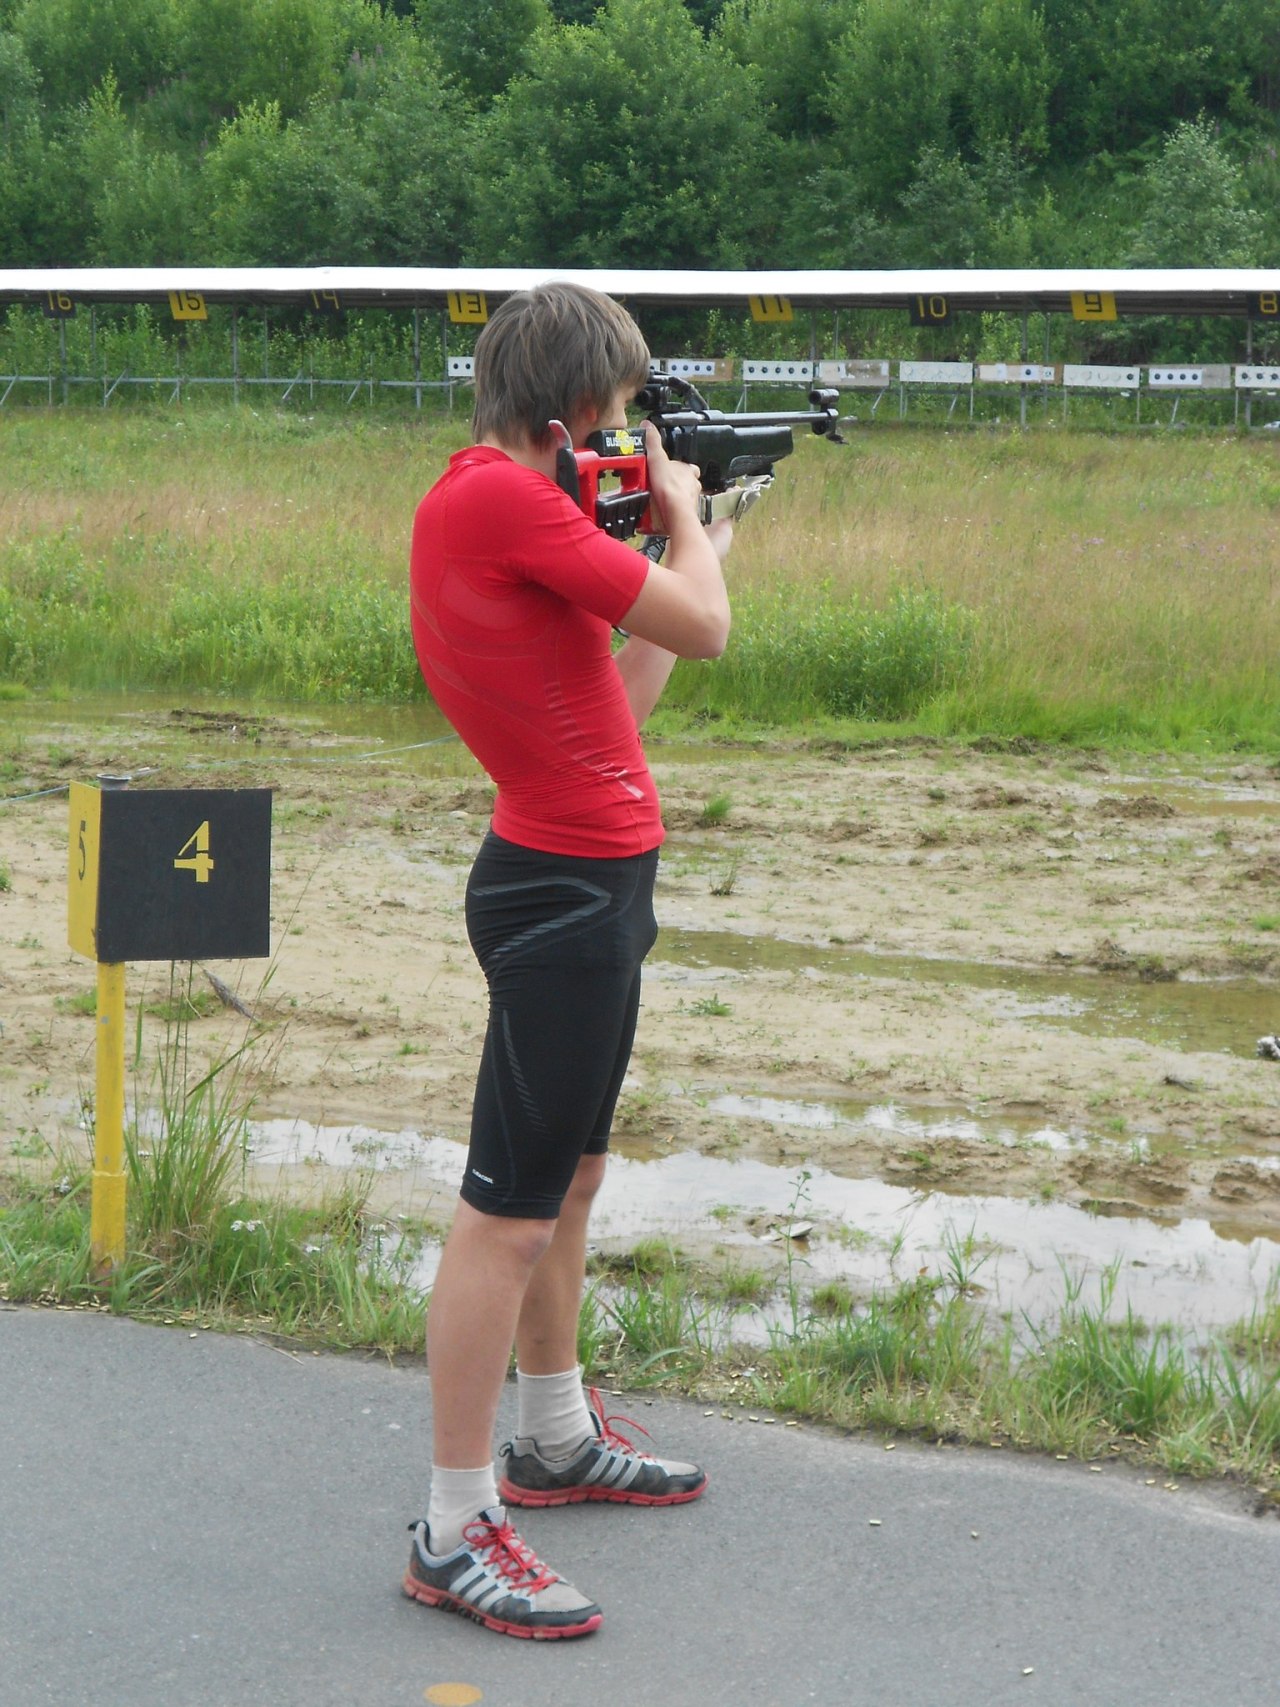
[(1135, 806), (855, 929)]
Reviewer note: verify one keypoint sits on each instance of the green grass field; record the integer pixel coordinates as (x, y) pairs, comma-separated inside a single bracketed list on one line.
[(1052, 584)]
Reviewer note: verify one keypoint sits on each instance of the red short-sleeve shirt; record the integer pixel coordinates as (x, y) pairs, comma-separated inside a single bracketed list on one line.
[(514, 595)]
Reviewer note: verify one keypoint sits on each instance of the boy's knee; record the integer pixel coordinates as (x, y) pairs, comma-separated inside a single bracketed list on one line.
[(586, 1182), (525, 1241), (510, 1241)]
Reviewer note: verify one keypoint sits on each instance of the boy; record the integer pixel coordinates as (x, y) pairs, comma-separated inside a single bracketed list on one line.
[(514, 595)]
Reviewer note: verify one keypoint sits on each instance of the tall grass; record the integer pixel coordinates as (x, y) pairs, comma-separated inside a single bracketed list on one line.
[(816, 653), (1066, 586), (1096, 587), (188, 1141), (196, 1245)]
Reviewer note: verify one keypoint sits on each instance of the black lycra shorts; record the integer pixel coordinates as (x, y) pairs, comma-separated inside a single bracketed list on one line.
[(561, 941)]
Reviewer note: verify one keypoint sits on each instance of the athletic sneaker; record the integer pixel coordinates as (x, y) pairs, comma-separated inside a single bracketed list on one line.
[(495, 1578), (606, 1467)]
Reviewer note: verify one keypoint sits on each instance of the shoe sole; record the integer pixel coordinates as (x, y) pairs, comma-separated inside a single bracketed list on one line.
[(510, 1494), (428, 1596)]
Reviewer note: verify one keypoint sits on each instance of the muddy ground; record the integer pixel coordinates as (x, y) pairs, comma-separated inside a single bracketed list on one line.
[(982, 972)]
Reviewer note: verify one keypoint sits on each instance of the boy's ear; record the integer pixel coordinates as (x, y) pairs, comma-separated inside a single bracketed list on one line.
[(582, 418)]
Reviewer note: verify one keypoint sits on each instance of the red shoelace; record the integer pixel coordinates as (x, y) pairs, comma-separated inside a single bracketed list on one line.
[(509, 1556), (610, 1435)]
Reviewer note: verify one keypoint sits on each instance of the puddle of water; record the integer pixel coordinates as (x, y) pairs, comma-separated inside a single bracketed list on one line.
[(1206, 800), (1186, 1273), (140, 729), (853, 1114), (293, 1143), (867, 1233), (1224, 1017)]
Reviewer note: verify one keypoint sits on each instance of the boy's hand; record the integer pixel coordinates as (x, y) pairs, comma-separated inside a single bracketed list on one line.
[(674, 487)]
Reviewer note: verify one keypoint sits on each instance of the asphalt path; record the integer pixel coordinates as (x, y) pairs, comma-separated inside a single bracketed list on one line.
[(202, 1520)]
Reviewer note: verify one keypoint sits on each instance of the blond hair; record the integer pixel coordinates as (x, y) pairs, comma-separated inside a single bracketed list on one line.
[(548, 353)]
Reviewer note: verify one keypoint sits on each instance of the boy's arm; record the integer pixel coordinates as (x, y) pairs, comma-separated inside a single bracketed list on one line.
[(645, 670), (645, 666), (683, 607)]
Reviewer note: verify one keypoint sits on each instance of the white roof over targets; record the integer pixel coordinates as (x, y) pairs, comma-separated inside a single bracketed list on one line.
[(1232, 290)]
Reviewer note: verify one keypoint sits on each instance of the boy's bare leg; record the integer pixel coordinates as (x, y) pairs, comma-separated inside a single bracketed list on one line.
[(475, 1305), (579, 1456), (547, 1326)]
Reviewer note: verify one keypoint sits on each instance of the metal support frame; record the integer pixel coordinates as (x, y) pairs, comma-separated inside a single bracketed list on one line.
[(289, 386)]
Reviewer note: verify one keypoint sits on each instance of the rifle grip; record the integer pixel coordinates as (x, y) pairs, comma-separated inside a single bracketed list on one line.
[(566, 462)]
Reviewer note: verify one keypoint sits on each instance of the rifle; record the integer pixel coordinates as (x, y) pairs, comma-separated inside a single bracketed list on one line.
[(734, 454)]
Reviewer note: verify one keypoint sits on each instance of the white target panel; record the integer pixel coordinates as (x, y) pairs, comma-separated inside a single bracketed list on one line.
[(1175, 378), (861, 375), (799, 372), (935, 373), (1091, 377), (1017, 373)]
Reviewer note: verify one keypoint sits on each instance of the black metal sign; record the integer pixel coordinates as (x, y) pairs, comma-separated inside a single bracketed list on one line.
[(170, 874)]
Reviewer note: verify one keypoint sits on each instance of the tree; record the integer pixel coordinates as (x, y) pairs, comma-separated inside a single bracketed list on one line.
[(889, 94), (270, 198), (705, 13), (73, 44), (237, 54), (137, 195), (971, 213), (824, 220), (19, 89), (1003, 76), (575, 11), (1197, 213), (21, 150), (1126, 70), (789, 44), (946, 213), (634, 141), (482, 44), (374, 177), (101, 192), (406, 126)]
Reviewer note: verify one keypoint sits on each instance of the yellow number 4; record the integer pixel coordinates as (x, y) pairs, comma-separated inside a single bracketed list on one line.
[(200, 862)]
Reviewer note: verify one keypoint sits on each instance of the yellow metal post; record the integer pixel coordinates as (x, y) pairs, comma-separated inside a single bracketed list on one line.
[(106, 1216)]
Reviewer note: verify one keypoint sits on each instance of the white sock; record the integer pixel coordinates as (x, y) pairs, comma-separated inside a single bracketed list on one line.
[(553, 1411), (457, 1496)]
